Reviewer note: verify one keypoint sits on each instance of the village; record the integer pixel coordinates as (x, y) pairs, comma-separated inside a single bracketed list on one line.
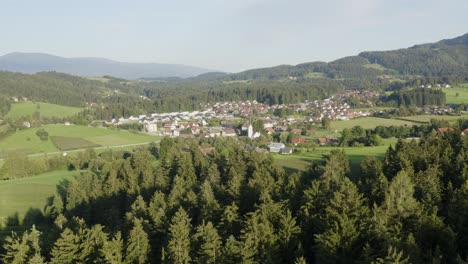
[(252, 119)]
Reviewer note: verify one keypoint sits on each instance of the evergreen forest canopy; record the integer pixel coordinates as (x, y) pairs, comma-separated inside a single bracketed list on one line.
[(213, 201)]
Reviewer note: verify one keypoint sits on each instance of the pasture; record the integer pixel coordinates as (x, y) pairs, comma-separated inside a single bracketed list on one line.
[(26, 141), (45, 110), (427, 118), (71, 143), (457, 95), (18, 196), (300, 161), (369, 122)]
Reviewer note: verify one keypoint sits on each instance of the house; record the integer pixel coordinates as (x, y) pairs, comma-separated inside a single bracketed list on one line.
[(151, 127), (444, 129), (26, 124), (322, 141), (187, 136), (296, 131), (465, 132), (286, 151), (269, 130), (297, 141), (228, 133), (275, 147)]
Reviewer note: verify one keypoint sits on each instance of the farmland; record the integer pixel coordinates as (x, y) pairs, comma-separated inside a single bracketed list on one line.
[(301, 161), (45, 110), (457, 95), (369, 122), (427, 118), (28, 142), (18, 196)]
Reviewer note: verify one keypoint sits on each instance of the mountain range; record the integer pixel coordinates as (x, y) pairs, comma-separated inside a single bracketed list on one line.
[(93, 67), (444, 58), (447, 57)]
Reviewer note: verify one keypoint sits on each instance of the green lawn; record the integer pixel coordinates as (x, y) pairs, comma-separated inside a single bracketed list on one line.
[(26, 140), (18, 196), (451, 94), (301, 161), (315, 75), (374, 66), (427, 118), (369, 122), (71, 143), (45, 110)]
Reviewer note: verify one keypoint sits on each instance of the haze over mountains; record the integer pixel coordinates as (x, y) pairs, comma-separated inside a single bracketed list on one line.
[(93, 67), (444, 58)]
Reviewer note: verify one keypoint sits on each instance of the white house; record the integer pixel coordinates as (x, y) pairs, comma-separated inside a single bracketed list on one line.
[(151, 127)]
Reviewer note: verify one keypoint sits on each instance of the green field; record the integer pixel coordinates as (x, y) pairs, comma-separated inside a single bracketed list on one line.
[(70, 143), (18, 196), (45, 110), (369, 122), (26, 140), (374, 66), (315, 75), (451, 94), (427, 118), (301, 161)]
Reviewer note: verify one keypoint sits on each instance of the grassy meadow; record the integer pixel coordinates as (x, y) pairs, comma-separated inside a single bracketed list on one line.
[(427, 118), (369, 122), (300, 161), (28, 142), (18, 196), (45, 110), (453, 98)]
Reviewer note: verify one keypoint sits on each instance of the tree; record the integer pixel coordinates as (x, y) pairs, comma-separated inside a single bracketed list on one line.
[(138, 244), (326, 123), (399, 199), (42, 134), (23, 249), (209, 243), (179, 245), (394, 256), (231, 252), (112, 250), (66, 248), (372, 182), (343, 219)]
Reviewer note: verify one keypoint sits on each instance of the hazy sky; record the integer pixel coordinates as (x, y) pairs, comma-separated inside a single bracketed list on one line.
[(230, 35)]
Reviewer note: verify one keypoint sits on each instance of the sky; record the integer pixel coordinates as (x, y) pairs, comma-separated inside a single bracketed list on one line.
[(222, 35)]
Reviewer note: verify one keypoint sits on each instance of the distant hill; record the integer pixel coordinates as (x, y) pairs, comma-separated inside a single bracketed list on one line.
[(444, 58), (94, 67)]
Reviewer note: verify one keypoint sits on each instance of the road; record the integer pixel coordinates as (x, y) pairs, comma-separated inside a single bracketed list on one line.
[(79, 150)]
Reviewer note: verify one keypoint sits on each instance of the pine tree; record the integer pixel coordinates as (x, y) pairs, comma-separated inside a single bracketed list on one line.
[(179, 246), (343, 219), (157, 211), (112, 250), (16, 248), (36, 259), (231, 252), (399, 201), (209, 243), (394, 256), (92, 243), (372, 182), (66, 248), (138, 244), (209, 206)]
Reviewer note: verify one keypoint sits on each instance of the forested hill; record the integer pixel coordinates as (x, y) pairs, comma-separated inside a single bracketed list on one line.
[(38, 62), (446, 58), (62, 89)]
